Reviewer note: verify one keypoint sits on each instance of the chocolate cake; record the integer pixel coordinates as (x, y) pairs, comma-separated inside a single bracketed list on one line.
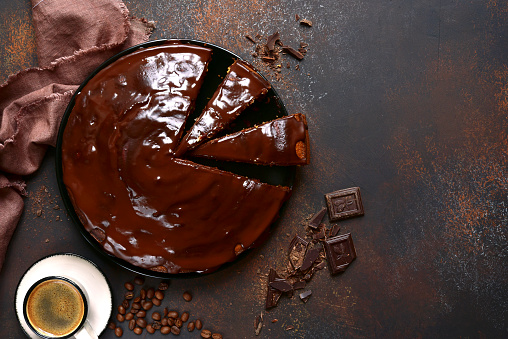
[(140, 201), (241, 86), (281, 142)]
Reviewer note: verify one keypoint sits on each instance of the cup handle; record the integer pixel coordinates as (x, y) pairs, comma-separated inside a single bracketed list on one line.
[(86, 332)]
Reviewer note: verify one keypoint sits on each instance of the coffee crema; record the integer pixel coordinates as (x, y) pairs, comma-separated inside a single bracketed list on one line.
[(55, 308)]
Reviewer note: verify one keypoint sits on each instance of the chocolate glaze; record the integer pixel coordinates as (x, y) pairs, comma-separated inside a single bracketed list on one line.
[(241, 86), (281, 142), (140, 202)]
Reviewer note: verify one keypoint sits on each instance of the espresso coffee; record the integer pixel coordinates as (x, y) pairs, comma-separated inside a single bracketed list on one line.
[(55, 308)]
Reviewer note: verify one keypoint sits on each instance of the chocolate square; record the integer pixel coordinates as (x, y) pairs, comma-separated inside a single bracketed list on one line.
[(340, 252), (344, 203)]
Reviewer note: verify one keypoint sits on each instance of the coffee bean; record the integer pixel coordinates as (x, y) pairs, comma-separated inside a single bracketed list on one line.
[(165, 329), (111, 325), (121, 309), (147, 305), (132, 324), (156, 302), (125, 304), (118, 331), (173, 314), (142, 294), (164, 321), (171, 321), (137, 300), (217, 336), (136, 306), (150, 329), (120, 317), (184, 316), (134, 310), (150, 293), (175, 330), (129, 286), (156, 325), (165, 311), (141, 322), (138, 330), (141, 314), (206, 334), (156, 316), (178, 323), (129, 295), (187, 296), (163, 286), (139, 280), (190, 326), (199, 324), (159, 294), (129, 316)]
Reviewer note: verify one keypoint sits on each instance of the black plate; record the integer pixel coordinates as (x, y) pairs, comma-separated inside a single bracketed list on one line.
[(268, 109)]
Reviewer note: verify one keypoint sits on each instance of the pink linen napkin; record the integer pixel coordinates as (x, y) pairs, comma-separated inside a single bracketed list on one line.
[(73, 37)]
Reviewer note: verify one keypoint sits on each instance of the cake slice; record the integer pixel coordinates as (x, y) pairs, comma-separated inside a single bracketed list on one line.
[(281, 142), (241, 86)]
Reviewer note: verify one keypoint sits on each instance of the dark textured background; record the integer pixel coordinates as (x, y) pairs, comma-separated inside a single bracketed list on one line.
[(407, 100)]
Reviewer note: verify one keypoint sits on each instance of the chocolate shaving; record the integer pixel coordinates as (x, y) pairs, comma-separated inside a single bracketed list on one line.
[(309, 259), (281, 285), (306, 22), (305, 295), (250, 38), (271, 40), (297, 17), (335, 230), (258, 324), (321, 234), (316, 219), (297, 250), (293, 52)]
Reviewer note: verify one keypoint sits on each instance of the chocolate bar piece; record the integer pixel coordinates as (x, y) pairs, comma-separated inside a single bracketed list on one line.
[(340, 252), (344, 204), (281, 285), (316, 219), (310, 257), (272, 294), (297, 250), (335, 230), (305, 295)]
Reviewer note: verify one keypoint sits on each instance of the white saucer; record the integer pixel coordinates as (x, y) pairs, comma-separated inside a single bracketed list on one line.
[(82, 271)]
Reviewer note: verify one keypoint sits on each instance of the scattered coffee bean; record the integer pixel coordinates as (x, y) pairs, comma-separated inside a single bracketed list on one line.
[(217, 336), (150, 293), (156, 316), (118, 331), (121, 309), (159, 294), (129, 316), (129, 295), (165, 329), (147, 305), (187, 296), (111, 325), (156, 325), (125, 304), (132, 324), (138, 330), (175, 330), (156, 302), (139, 280), (190, 326), (141, 322), (150, 329), (136, 306), (129, 286), (163, 286), (178, 323), (173, 314), (134, 311), (171, 321), (164, 321), (206, 334), (120, 317), (185, 316), (142, 294), (137, 300), (199, 324), (141, 314), (165, 311)]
